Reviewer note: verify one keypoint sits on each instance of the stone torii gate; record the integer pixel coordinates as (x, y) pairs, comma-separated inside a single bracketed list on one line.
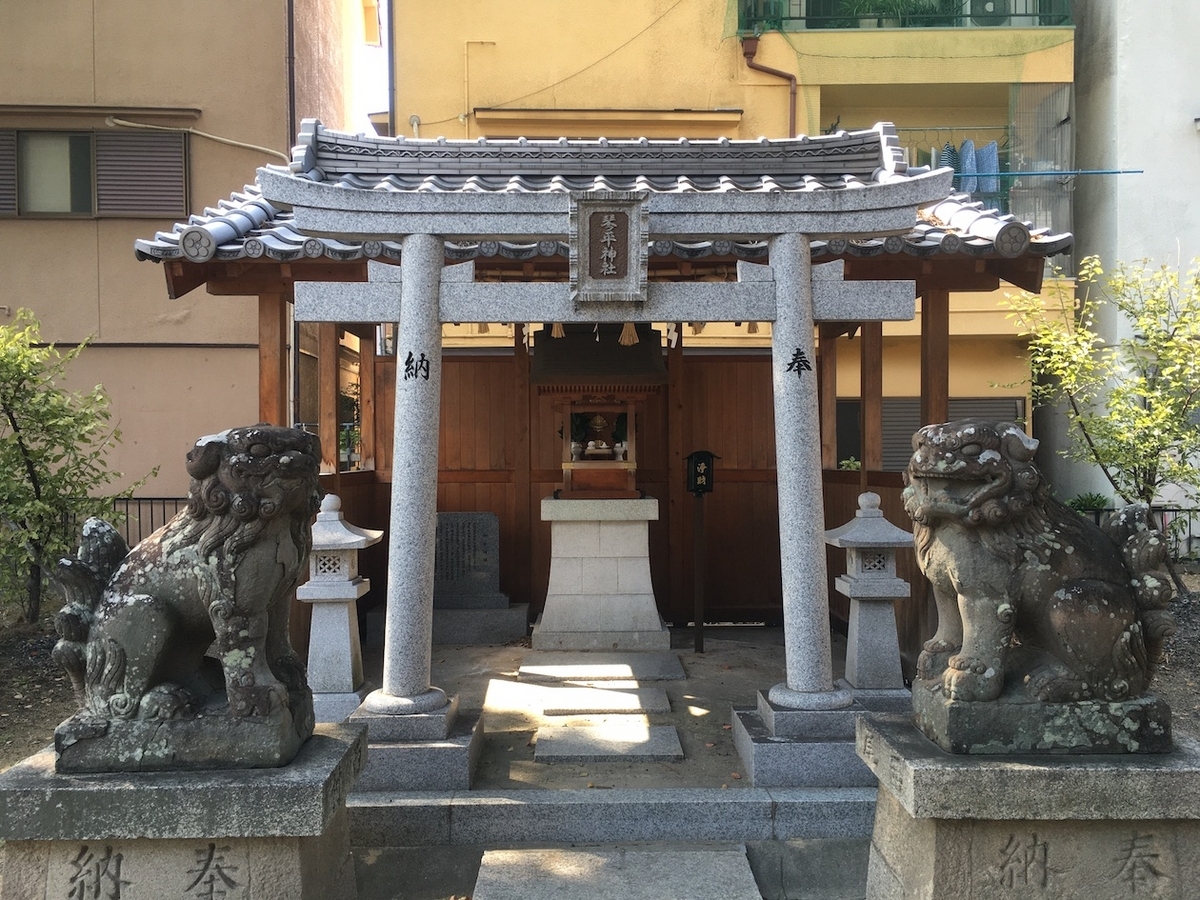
[(425, 193)]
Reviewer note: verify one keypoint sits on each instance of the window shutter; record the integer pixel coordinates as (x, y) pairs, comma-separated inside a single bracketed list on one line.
[(902, 417), (142, 174), (8, 173)]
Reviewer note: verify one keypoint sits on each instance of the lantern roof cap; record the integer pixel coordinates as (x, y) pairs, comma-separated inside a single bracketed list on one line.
[(332, 532), (868, 528)]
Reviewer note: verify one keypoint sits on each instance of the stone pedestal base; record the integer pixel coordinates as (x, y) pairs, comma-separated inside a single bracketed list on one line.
[(212, 739), (1100, 827), (279, 834), (337, 706), (434, 751), (600, 596), (872, 647), (799, 748), (1142, 725)]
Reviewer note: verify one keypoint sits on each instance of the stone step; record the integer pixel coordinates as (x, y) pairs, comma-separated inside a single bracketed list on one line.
[(599, 700), (548, 817), (805, 869), (695, 872), (626, 738), (594, 666)]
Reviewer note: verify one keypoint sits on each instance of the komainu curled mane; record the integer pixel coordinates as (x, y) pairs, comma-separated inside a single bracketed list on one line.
[(193, 621), (1028, 591)]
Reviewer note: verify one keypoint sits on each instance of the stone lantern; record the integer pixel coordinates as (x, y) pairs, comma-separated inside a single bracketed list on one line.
[(335, 671), (870, 542)]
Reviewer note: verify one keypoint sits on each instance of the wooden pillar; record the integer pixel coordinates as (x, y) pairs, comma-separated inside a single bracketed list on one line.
[(366, 396), (827, 391), (677, 432), (871, 396), (327, 394), (273, 357), (935, 356), (523, 502)]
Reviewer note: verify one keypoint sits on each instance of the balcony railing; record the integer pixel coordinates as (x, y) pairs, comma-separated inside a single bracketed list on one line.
[(802, 15)]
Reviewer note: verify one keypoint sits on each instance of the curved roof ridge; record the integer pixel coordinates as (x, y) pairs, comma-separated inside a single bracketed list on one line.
[(865, 153)]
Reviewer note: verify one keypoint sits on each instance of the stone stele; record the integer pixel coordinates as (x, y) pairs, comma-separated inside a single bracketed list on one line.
[(1048, 626), (178, 649)]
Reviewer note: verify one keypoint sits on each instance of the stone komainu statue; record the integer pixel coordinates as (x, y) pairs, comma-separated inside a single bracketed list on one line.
[(192, 624), (1030, 595)]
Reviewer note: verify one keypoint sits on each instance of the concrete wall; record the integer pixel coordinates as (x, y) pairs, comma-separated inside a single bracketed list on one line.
[(175, 369), (1135, 108)]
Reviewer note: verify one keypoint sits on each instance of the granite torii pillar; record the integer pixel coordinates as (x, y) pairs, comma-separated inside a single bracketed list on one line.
[(408, 633), (809, 667)]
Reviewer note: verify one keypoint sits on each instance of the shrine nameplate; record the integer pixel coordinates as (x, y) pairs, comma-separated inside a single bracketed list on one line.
[(609, 246)]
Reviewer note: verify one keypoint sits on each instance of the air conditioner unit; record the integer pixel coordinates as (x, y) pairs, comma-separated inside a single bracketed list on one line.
[(988, 13)]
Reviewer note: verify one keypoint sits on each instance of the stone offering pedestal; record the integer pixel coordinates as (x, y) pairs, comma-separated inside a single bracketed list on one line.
[(236, 833), (1100, 827), (600, 596)]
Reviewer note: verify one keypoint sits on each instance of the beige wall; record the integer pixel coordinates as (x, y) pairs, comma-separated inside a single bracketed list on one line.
[(564, 64), (980, 367), (163, 399), (326, 34), (460, 55), (174, 369)]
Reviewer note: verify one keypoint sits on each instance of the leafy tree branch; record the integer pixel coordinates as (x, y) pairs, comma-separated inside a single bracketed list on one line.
[(53, 467)]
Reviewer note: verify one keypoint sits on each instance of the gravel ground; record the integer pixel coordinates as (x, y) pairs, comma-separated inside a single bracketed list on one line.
[(35, 694), (1178, 678)]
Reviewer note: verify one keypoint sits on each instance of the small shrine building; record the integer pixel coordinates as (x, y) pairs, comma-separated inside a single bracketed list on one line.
[(363, 232)]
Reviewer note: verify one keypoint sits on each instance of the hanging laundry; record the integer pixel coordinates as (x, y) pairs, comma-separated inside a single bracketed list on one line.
[(987, 158), (966, 161), (949, 159)]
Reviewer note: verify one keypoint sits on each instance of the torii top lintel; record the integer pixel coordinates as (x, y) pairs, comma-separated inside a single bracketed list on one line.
[(360, 187)]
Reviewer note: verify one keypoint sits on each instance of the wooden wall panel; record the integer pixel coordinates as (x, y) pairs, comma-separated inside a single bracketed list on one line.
[(499, 450), (730, 408)]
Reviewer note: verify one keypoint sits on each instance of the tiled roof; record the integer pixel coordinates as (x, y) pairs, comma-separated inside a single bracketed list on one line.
[(247, 227), (827, 162)]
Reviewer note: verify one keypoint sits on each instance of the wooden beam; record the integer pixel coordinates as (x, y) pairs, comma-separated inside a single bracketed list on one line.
[(970, 274), (935, 357), (827, 390), (181, 278), (1025, 272), (871, 396), (254, 279)]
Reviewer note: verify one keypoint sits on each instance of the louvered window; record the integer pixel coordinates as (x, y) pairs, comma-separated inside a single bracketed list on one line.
[(59, 173), (8, 173), (902, 417), (140, 174)]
